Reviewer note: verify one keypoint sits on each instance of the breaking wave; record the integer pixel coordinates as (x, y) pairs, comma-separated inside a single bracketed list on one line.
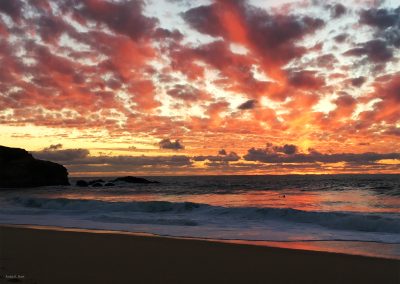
[(193, 214)]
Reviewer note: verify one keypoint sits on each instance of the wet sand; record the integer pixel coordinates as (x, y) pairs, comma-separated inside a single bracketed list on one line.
[(40, 256)]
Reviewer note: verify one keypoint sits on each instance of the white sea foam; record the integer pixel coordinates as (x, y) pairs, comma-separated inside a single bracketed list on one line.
[(203, 220)]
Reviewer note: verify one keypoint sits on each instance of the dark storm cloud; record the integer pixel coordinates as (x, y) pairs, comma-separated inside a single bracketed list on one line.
[(326, 61), (305, 79), (271, 152), (380, 18), (386, 22), (338, 10), (231, 157), (204, 20), (137, 164), (62, 156), (168, 144), (51, 27), (135, 161), (266, 156), (288, 149), (13, 8), (345, 100), (122, 17), (341, 37), (186, 93), (376, 50), (53, 147), (164, 34), (79, 159), (250, 104), (358, 81)]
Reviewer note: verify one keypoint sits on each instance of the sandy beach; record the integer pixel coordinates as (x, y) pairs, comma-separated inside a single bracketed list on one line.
[(52, 256)]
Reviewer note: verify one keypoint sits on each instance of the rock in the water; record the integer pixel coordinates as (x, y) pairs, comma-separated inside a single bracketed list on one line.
[(131, 179), (18, 168), (82, 183), (95, 181)]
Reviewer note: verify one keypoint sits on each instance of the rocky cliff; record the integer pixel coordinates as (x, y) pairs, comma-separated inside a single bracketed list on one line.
[(18, 168)]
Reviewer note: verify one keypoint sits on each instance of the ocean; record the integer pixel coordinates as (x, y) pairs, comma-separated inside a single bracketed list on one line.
[(357, 214)]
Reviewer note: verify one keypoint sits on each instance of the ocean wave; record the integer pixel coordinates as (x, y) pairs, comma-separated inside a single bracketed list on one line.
[(89, 205), (195, 212), (152, 221)]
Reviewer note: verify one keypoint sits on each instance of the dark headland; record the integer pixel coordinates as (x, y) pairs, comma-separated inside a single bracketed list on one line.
[(18, 168)]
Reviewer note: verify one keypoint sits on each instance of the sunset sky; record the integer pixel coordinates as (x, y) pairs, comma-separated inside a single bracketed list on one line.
[(181, 87)]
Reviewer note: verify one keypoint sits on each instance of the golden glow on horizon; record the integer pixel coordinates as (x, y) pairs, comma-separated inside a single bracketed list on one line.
[(389, 162)]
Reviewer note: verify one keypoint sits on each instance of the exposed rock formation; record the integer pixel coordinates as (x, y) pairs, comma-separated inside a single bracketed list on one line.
[(82, 183), (131, 179), (100, 182), (92, 182), (18, 168)]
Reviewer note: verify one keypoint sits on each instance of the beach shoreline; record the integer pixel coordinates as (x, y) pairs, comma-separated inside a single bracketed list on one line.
[(360, 248), (63, 255)]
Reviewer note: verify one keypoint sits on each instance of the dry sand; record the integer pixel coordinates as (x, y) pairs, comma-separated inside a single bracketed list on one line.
[(49, 256)]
